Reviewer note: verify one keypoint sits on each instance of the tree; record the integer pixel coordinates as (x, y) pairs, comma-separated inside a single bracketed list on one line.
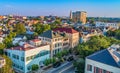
[(49, 61), (96, 43), (39, 28), (46, 27), (57, 22), (92, 21), (110, 33), (35, 34), (79, 65), (20, 29), (8, 66), (8, 40), (117, 34), (2, 46), (35, 67)]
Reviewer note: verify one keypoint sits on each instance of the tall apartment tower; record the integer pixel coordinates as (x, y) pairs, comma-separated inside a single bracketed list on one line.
[(70, 14), (79, 16)]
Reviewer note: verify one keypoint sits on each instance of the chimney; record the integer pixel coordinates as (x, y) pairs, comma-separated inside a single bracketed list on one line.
[(25, 45), (20, 48), (12, 48)]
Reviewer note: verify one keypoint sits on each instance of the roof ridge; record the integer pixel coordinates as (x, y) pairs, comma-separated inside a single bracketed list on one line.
[(113, 58)]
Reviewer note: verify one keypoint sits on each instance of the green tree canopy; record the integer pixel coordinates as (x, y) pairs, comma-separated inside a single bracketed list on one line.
[(96, 43), (35, 67), (39, 28), (20, 28)]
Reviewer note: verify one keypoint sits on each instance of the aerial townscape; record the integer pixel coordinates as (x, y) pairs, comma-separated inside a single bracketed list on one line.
[(77, 43)]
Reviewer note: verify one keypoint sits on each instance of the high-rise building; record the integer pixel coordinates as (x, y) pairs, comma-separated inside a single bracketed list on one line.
[(70, 14), (79, 16)]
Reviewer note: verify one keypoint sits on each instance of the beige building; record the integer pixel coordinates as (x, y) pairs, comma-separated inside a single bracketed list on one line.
[(79, 16), (73, 35), (58, 41)]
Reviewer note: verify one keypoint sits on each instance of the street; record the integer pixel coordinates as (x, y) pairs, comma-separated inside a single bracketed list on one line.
[(71, 69), (64, 68)]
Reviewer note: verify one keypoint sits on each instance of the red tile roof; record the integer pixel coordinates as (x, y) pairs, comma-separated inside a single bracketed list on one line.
[(21, 48), (67, 30), (25, 48)]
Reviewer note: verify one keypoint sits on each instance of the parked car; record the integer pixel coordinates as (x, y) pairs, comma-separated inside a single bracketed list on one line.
[(57, 64), (70, 58)]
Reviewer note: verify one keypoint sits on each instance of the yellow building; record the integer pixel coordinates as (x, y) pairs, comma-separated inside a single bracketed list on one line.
[(79, 16)]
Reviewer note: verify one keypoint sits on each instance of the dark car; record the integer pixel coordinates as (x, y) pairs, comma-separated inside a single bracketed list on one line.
[(70, 58), (57, 64)]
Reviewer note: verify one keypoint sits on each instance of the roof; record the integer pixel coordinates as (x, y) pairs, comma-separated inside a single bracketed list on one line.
[(35, 40), (50, 34), (20, 36), (67, 30), (105, 57), (26, 47)]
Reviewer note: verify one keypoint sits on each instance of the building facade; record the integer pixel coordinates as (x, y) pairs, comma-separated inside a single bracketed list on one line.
[(105, 61), (23, 57), (57, 41), (112, 25), (72, 34), (79, 16)]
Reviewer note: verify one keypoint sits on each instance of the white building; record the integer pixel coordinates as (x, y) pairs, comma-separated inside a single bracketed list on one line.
[(103, 24), (33, 52), (19, 39), (105, 61)]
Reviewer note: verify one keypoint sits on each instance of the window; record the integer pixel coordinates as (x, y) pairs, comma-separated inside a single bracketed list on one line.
[(36, 56), (21, 67), (29, 67), (55, 45), (28, 58), (32, 57), (55, 40), (22, 58), (8, 54), (99, 70), (15, 56), (89, 67)]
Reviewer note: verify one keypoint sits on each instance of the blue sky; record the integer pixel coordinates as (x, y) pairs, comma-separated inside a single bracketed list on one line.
[(107, 8)]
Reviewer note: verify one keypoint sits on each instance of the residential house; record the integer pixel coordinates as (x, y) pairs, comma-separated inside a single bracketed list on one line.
[(18, 39), (104, 61), (103, 24), (73, 35)]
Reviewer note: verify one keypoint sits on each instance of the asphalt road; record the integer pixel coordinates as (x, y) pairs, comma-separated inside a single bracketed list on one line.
[(64, 68), (69, 70)]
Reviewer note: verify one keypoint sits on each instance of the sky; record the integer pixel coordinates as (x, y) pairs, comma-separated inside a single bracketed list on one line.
[(94, 8)]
